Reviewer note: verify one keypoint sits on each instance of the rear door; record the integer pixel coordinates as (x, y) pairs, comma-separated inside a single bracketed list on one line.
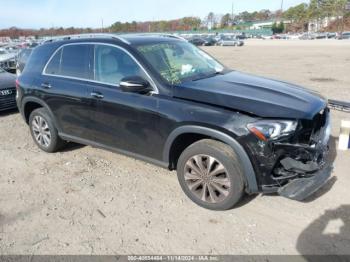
[(66, 88)]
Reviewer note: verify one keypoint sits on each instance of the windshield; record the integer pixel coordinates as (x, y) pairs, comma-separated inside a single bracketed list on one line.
[(179, 61)]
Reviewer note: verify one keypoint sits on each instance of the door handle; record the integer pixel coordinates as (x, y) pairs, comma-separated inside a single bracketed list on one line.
[(46, 85), (97, 95)]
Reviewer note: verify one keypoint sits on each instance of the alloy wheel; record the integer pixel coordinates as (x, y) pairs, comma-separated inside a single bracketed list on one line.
[(207, 178), (41, 131)]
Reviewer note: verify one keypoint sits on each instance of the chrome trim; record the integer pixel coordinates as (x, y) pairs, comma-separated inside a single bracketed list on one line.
[(156, 90), (129, 84), (92, 35), (175, 36)]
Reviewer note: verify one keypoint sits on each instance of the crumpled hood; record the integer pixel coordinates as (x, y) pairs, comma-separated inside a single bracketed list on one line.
[(256, 95), (7, 80)]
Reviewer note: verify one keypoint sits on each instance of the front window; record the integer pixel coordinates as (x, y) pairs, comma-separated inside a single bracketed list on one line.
[(113, 64), (179, 61)]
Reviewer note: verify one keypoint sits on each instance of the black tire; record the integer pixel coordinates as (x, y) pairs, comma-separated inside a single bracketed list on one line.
[(224, 155), (56, 143)]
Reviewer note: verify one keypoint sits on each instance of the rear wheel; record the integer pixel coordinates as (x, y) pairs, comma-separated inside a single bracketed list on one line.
[(44, 132), (210, 174)]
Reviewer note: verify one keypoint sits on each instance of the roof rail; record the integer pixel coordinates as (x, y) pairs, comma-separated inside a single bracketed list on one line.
[(174, 36), (92, 35), (157, 34)]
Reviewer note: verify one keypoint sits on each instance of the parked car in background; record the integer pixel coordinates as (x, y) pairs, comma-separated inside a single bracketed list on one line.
[(242, 36), (307, 36), (344, 36), (321, 36), (22, 59), (230, 41), (165, 101), (197, 41), (331, 35), (209, 41), (7, 90), (7, 60)]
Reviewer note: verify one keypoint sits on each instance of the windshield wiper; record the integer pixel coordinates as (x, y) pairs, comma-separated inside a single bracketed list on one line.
[(203, 76)]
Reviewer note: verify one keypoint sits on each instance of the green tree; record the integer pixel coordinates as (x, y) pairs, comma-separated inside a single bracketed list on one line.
[(298, 16), (277, 28), (225, 20)]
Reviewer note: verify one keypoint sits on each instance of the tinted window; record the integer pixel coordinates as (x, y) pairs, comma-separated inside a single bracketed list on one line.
[(113, 64), (53, 67), (73, 61), (76, 61)]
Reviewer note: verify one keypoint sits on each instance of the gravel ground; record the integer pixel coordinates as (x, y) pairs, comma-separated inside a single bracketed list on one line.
[(89, 201)]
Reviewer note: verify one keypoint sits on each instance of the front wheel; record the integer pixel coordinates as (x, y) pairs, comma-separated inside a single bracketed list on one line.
[(210, 174)]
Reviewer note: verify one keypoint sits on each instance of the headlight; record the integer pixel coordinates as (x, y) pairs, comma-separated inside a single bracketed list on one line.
[(272, 129)]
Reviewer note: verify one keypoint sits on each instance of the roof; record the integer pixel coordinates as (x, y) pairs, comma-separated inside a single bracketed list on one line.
[(130, 39)]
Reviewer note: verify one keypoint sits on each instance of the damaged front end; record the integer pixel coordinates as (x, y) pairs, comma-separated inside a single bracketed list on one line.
[(294, 163)]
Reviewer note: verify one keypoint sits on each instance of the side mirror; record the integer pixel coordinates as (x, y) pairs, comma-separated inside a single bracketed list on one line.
[(135, 84)]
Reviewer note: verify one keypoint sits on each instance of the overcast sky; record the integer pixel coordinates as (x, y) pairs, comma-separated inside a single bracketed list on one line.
[(89, 13)]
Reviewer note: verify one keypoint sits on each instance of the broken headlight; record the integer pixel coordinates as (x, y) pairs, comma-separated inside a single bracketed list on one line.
[(272, 129)]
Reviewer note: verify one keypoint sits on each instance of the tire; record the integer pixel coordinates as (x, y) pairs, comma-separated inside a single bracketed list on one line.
[(203, 189), (41, 123)]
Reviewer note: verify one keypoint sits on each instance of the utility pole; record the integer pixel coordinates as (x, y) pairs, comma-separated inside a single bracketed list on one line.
[(101, 25), (282, 6), (232, 15)]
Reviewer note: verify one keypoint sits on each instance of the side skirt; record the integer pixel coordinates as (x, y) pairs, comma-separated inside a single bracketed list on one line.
[(115, 150)]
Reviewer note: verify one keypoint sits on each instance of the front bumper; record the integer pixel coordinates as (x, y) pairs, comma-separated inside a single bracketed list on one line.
[(295, 167), (8, 101), (301, 188)]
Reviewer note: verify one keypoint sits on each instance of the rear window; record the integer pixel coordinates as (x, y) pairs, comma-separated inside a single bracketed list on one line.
[(72, 61)]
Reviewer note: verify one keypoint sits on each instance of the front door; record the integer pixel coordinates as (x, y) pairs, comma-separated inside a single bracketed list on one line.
[(126, 121)]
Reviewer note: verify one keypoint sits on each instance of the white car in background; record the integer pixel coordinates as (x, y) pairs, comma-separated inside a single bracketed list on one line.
[(7, 60)]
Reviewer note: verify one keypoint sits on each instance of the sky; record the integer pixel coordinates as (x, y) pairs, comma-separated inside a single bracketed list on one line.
[(90, 13)]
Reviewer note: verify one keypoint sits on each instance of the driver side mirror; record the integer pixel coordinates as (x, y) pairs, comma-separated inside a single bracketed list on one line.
[(135, 84)]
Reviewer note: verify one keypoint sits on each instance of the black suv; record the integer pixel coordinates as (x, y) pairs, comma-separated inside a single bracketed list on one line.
[(160, 99)]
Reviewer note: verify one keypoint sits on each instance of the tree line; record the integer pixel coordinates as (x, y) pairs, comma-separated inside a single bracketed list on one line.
[(317, 10), (298, 16)]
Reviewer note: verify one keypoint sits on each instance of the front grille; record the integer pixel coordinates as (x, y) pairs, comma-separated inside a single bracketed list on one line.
[(311, 130), (8, 101), (8, 64)]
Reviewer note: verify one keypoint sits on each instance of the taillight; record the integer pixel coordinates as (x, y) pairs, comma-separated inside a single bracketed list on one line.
[(17, 84)]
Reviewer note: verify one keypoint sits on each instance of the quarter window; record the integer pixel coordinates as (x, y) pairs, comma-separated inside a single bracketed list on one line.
[(53, 68), (113, 64)]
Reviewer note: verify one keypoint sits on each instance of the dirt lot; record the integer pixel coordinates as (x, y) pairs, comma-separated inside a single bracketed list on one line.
[(89, 201)]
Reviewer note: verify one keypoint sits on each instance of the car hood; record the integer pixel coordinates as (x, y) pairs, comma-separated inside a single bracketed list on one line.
[(8, 56), (7, 80), (255, 95)]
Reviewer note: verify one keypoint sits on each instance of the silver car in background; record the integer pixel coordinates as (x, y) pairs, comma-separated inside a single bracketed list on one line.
[(230, 41)]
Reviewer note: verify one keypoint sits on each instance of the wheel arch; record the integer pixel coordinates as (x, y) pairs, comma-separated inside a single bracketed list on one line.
[(29, 104), (249, 173)]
